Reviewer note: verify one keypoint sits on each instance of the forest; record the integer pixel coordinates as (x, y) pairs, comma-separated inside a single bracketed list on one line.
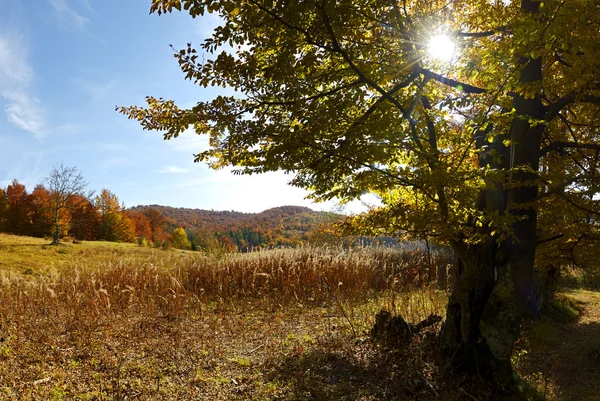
[(92, 217)]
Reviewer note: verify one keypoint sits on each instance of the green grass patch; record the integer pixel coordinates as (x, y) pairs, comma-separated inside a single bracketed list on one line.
[(564, 309)]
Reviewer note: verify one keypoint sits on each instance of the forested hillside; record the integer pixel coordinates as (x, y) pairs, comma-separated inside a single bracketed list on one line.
[(281, 226), (46, 212)]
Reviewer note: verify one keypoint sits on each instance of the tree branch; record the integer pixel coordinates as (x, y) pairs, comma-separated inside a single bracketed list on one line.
[(313, 97), (557, 146), (453, 83), (578, 206), (555, 108), (550, 239), (480, 34)]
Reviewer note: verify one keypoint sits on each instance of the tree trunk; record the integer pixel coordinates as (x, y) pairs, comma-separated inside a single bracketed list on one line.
[(492, 294), (493, 289), (56, 236)]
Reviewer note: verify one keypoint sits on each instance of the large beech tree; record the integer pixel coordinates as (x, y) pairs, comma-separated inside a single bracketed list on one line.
[(495, 152)]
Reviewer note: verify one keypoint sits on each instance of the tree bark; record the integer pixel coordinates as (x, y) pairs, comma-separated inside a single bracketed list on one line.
[(493, 289)]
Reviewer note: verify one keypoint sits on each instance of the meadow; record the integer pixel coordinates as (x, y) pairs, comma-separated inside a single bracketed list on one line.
[(109, 321)]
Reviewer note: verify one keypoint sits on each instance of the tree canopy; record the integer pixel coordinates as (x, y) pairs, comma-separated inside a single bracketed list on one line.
[(494, 152)]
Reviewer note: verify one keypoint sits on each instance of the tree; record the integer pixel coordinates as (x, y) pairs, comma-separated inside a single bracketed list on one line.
[(109, 208), (18, 208), (63, 183), (179, 239), (495, 154), (40, 213), (157, 224), (141, 223), (85, 219), (115, 225), (3, 209)]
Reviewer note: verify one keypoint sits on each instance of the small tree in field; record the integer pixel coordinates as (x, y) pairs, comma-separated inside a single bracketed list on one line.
[(63, 183), (179, 239)]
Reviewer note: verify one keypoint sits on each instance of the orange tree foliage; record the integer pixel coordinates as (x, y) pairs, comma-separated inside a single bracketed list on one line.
[(85, 219), (18, 208), (40, 213), (3, 209), (141, 224), (36, 214)]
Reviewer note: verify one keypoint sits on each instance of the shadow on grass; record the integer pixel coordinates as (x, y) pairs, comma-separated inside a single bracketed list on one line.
[(318, 375), (363, 373)]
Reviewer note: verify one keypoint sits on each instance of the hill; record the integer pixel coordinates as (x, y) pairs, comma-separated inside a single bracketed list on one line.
[(280, 226)]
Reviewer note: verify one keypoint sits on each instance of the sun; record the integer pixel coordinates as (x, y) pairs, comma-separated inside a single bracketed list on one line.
[(441, 47)]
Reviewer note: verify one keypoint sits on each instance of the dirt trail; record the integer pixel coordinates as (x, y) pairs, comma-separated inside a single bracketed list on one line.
[(563, 359)]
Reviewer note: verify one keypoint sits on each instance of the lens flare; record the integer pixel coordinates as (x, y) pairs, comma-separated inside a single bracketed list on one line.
[(441, 47)]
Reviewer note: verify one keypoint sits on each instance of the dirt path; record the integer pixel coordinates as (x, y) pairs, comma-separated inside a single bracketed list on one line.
[(563, 359)]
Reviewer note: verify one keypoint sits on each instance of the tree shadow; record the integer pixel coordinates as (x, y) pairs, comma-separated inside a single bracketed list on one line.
[(367, 372), (338, 375)]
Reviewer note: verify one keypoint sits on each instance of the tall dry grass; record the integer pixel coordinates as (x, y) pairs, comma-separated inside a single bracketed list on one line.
[(104, 318), (83, 294), (167, 283)]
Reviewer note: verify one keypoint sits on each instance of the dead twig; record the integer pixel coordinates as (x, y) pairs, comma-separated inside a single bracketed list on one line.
[(252, 351), (42, 381)]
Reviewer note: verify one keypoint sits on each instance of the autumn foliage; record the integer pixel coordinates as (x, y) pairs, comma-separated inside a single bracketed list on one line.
[(103, 216)]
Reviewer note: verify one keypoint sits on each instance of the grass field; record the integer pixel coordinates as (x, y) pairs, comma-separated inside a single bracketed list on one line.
[(109, 321), (106, 321)]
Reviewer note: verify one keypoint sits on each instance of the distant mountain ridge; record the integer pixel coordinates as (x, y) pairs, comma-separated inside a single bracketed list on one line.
[(279, 226)]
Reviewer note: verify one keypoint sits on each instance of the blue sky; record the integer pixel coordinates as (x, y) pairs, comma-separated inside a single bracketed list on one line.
[(66, 64)]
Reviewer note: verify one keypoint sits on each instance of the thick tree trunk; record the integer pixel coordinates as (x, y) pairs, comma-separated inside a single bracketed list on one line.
[(493, 292), (494, 282)]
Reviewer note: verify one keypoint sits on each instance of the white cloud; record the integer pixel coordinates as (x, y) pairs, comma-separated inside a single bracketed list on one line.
[(173, 170), (24, 112), (189, 142), (22, 109), (65, 13)]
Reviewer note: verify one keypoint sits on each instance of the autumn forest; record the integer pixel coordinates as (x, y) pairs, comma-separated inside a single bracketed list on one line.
[(92, 217)]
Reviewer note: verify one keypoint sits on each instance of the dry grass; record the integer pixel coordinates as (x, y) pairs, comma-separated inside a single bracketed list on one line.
[(104, 321), (101, 321)]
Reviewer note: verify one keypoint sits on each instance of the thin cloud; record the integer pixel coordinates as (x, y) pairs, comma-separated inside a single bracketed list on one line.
[(97, 90), (65, 13), (173, 170), (25, 112), (93, 11), (16, 75), (71, 19)]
